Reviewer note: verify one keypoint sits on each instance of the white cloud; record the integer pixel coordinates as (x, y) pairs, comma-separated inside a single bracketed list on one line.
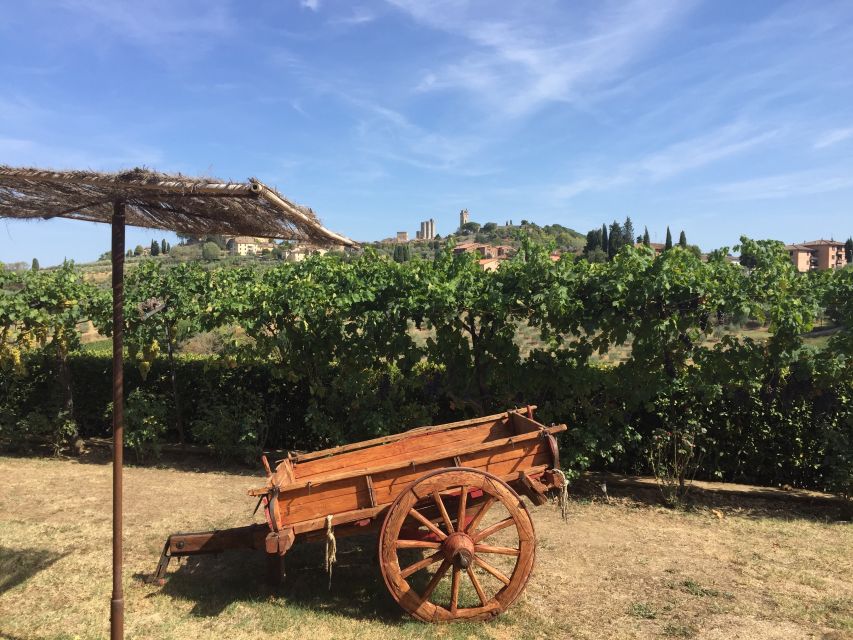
[(153, 21), (786, 185), (314, 5), (673, 160), (833, 137), (526, 58), (359, 16)]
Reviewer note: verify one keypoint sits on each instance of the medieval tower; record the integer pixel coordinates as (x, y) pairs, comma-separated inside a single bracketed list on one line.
[(463, 217)]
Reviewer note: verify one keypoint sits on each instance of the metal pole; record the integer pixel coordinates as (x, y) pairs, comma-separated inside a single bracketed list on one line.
[(117, 602)]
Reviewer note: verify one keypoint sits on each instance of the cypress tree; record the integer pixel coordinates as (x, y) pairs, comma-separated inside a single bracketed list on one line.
[(668, 244), (155, 248), (163, 247), (628, 231), (615, 242), (646, 240), (35, 266), (682, 240), (593, 241), (848, 250), (604, 242)]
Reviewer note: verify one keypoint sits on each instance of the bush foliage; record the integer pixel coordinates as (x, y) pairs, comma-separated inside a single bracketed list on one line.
[(333, 350)]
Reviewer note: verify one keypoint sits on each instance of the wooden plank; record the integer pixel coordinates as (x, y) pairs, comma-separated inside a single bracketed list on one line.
[(405, 448), (304, 457), (369, 482), (348, 496), (317, 511), (533, 489), (400, 464)]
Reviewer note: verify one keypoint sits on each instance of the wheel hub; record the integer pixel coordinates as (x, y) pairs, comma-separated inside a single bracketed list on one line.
[(459, 549)]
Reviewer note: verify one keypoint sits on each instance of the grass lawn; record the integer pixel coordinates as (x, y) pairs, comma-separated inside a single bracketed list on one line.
[(626, 568)]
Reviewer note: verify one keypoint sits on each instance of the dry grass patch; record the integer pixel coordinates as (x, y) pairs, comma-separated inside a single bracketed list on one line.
[(622, 569)]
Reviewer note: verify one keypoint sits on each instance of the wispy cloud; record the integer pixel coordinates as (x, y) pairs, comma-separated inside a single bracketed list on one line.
[(314, 5), (785, 185), (833, 137), (673, 160), (526, 59), (359, 16), (389, 134), (164, 27)]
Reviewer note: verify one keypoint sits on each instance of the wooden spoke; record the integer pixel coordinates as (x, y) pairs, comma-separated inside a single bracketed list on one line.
[(454, 589), (417, 515), (475, 521), (507, 551), (442, 569), (436, 496), (421, 564), (449, 541), (495, 572), (417, 544), (490, 531), (477, 586)]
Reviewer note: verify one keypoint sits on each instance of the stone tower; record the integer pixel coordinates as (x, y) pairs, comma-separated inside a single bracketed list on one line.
[(463, 217)]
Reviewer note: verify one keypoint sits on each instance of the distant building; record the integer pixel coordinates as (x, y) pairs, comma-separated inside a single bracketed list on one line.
[(302, 251), (489, 264), (248, 246), (402, 236), (427, 230), (464, 217), (817, 255)]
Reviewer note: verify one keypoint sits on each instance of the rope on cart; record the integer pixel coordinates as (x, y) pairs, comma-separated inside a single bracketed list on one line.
[(563, 496), (331, 549)]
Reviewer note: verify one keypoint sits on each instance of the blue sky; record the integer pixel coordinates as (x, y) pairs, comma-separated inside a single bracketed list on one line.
[(719, 117)]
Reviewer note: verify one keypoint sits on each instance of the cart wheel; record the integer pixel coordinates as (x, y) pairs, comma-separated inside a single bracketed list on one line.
[(486, 573)]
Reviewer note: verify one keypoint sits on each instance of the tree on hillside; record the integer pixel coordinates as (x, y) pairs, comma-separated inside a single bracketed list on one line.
[(682, 240), (402, 253), (164, 249), (848, 250), (596, 255), (668, 244), (628, 231), (35, 266), (155, 248), (490, 226), (615, 239), (129, 253), (593, 241), (646, 240), (210, 251), (138, 251), (604, 238), (470, 227)]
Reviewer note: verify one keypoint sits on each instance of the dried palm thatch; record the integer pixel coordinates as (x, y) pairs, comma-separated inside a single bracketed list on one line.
[(193, 206)]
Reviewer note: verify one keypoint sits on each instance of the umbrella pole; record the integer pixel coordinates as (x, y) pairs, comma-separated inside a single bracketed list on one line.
[(117, 602)]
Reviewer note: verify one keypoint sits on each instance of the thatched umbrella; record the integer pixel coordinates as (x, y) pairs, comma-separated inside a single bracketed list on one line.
[(144, 198)]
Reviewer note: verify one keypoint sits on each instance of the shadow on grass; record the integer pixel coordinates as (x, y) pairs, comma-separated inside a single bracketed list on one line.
[(756, 502), (357, 590), (189, 462), (19, 565)]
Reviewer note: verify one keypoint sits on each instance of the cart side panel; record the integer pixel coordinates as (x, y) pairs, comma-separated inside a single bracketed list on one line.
[(351, 494), (440, 443)]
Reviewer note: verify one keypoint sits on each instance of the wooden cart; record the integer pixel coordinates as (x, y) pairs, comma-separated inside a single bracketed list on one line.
[(445, 499)]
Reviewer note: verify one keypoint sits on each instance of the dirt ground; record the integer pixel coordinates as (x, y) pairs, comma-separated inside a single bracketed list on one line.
[(729, 567)]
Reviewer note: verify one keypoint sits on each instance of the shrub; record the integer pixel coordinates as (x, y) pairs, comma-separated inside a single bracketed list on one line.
[(210, 251), (145, 417), (235, 425)]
